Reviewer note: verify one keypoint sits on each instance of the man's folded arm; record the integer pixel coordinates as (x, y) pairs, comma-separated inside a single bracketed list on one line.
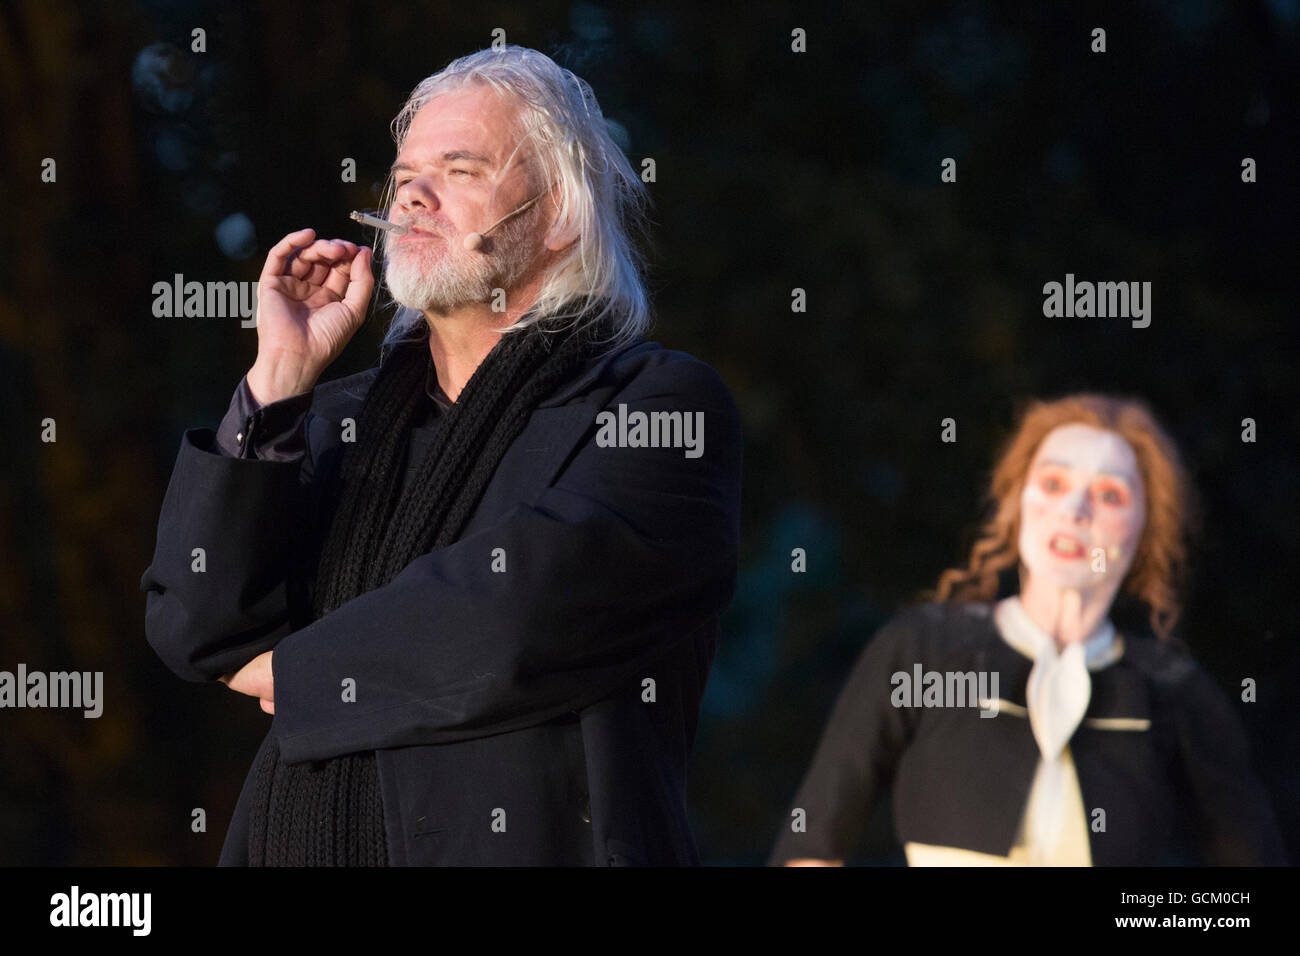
[(232, 517), (631, 551)]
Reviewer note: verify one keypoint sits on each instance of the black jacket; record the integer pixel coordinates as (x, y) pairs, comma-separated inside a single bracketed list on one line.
[(1159, 750), (522, 697)]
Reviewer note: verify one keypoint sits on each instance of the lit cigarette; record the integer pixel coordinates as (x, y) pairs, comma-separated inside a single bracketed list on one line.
[(367, 220)]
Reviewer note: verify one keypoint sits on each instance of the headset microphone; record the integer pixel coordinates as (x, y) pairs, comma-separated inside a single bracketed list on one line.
[(475, 239)]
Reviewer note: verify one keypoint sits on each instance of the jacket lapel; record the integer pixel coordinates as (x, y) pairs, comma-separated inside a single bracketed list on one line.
[(553, 432), (532, 461)]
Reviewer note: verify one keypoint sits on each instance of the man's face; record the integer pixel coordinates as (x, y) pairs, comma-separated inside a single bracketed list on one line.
[(458, 172), (1083, 492)]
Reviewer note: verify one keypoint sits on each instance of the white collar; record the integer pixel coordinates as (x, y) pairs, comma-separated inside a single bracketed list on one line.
[(1101, 648)]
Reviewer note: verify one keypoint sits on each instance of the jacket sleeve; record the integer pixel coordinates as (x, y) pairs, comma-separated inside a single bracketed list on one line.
[(859, 749), (629, 551), (273, 432), (1230, 805), (217, 589)]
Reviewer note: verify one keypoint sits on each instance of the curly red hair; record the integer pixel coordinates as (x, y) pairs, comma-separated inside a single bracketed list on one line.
[(1158, 572)]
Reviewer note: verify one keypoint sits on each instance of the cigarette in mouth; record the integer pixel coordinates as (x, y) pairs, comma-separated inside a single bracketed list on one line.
[(367, 220)]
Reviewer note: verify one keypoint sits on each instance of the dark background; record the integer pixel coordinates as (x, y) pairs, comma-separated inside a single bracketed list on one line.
[(775, 170)]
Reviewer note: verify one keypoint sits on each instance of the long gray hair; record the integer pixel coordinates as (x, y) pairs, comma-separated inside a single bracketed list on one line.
[(596, 189)]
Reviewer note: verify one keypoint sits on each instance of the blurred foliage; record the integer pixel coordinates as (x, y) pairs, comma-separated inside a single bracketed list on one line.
[(775, 170)]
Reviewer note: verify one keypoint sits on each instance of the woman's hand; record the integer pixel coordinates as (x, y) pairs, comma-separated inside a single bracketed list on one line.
[(812, 862)]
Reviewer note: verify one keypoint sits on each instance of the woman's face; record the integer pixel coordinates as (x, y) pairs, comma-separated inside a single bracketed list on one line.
[(1082, 509)]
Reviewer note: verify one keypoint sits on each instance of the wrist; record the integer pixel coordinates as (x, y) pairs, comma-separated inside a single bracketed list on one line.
[(270, 383)]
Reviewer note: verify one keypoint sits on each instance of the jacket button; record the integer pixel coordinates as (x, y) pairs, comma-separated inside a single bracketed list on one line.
[(585, 812)]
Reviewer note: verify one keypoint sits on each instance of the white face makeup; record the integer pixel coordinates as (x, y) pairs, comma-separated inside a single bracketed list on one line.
[(1083, 493)]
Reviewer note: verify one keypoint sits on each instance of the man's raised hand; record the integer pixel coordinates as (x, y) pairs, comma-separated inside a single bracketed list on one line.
[(311, 299)]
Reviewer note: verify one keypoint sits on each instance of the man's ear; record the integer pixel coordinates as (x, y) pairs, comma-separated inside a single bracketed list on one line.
[(557, 240)]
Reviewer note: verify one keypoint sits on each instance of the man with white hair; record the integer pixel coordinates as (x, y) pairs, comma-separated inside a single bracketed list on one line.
[(481, 615)]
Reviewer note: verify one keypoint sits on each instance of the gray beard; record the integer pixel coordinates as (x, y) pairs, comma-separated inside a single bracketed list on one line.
[(462, 277)]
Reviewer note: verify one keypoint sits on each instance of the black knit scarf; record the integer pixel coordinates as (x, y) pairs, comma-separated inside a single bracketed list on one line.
[(329, 812)]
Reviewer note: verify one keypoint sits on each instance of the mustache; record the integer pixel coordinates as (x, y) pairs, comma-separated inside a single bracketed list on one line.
[(431, 226)]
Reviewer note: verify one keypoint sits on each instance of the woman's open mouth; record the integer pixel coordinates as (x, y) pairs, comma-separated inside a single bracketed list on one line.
[(1065, 546)]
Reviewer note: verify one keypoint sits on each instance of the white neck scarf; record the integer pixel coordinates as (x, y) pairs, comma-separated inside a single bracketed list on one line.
[(1057, 696)]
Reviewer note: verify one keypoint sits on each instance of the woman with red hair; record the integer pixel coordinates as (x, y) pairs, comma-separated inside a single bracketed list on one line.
[(1104, 748)]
